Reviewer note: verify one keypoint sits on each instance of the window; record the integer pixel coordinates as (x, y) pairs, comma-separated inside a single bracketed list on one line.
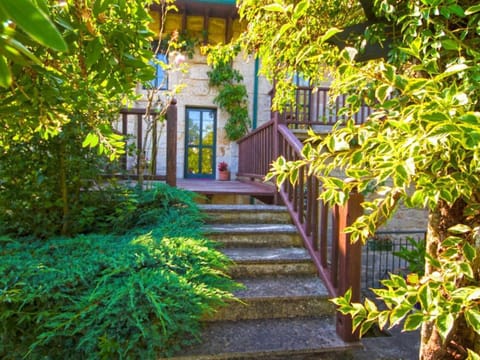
[(300, 81), (161, 76)]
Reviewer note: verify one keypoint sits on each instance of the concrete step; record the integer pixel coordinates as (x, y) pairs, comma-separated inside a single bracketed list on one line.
[(246, 214), (277, 297), (283, 312), (254, 235), (257, 262), (273, 339)]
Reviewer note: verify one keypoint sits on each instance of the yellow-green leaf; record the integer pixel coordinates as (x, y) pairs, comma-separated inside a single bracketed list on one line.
[(34, 22), (444, 324), (473, 319), (275, 8), (459, 229), (472, 9), (413, 321), (5, 75)]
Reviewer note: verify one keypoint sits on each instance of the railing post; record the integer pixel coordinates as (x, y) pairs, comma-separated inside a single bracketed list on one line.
[(125, 133), (276, 149), (172, 143), (350, 261)]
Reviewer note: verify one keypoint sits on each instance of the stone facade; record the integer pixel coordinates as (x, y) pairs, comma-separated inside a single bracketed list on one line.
[(197, 93), (406, 219)]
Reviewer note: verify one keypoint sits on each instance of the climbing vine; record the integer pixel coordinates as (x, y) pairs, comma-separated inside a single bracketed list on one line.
[(232, 97)]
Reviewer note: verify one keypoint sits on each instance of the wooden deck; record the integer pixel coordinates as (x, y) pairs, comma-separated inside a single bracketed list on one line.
[(233, 187)]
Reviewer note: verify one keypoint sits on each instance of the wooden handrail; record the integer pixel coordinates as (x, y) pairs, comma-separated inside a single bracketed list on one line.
[(136, 115), (256, 152), (322, 228), (314, 106)]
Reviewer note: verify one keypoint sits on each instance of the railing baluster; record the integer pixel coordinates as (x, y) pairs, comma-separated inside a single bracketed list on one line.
[(313, 108), (334, 246), (349, 263), (321, 227), (315, 212), (301, 195), (324, 234), (309, 205)]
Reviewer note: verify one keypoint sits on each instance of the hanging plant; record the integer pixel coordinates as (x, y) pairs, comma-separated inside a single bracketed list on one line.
[(232, 97)]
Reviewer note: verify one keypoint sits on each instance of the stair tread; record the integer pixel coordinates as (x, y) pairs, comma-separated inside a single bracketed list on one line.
[(249, 228), (242, 207), (285, 287), (274, 319), (267, 339), (267, 255)]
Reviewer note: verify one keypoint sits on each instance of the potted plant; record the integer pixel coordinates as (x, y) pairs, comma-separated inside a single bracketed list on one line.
[(223, 173)]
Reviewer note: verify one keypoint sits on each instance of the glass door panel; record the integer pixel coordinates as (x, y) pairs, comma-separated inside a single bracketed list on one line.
[(200, 143)]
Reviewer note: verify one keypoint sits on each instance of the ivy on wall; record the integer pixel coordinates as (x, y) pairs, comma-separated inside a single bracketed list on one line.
[(232, 97)]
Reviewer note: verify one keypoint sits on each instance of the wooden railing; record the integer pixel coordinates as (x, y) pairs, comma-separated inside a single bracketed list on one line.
[(257, 151), (322, 228), (139, 124), (337, 260), (315, 107)]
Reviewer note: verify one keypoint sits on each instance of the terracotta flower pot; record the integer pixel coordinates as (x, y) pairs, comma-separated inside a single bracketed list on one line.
[(224, 175)]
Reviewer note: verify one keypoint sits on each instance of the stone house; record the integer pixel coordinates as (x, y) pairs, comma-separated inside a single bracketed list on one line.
[(201, 138)]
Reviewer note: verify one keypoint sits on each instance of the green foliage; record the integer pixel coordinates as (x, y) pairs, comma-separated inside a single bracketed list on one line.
[(31, 21), (232, 95), (437, 295), (31, 185), (414, 255), (136, 295), (132, 210), (56, 116), (107, 57), (419, 147)]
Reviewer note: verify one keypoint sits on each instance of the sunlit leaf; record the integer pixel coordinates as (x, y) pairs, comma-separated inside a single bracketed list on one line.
[(34, 22), (300, 9), (275, 8), (473, 319), (5, 75), (330, 33), (472, 355), (472, 9), (460, 229), (470, 252), (425, 297), (444, 324), (399, 313), (413, 321)]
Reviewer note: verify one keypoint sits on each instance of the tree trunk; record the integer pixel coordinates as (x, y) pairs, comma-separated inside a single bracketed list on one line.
[(461, 337), (64, 190)]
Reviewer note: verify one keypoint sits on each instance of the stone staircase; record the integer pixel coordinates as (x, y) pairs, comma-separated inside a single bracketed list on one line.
[(284, 311)]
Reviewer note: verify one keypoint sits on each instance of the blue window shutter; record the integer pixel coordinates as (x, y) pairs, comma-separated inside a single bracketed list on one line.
[(160, 81), (161, 78)]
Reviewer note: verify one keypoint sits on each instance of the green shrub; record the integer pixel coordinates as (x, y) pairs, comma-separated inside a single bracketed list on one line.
[(135, 295), (120, 209), (44, 184), (414, 254)]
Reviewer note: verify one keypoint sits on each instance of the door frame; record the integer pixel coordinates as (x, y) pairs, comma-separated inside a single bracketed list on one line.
[(188, 175)]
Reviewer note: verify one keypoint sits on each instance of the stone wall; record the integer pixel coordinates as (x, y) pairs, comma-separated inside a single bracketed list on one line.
[(406, 219), (197, 93)]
